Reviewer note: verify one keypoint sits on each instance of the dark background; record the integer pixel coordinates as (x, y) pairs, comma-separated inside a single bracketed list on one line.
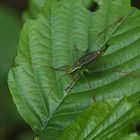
[(20, 5), (12, 126)]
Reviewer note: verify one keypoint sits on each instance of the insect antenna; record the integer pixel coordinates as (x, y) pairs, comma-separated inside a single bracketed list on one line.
[(105, 45), (117, 21)]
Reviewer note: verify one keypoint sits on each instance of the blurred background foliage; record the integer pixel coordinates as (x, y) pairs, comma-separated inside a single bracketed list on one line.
[(13, 14)]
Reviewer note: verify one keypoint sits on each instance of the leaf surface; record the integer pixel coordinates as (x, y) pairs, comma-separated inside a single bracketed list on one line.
[(108, 122), (34, 9), (39, 92)]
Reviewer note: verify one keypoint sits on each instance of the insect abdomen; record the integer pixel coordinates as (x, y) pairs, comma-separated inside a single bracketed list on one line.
[(90, 66)]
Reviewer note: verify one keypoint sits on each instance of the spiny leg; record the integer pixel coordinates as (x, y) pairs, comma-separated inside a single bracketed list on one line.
[(132, 73), (75, 79), (88, 84), (125, 73), (61, 68), (119, 71)]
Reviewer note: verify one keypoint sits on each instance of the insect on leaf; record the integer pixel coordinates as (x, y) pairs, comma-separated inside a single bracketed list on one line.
[(49, 41)]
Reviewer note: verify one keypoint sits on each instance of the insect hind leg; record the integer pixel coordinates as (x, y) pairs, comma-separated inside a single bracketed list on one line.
[(88, 84)]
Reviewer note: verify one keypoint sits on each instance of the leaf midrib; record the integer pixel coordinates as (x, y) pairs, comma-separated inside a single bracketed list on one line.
[(51, 116)]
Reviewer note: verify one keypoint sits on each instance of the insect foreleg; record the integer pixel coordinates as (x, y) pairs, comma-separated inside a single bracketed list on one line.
[(62, 68), (75, 79)]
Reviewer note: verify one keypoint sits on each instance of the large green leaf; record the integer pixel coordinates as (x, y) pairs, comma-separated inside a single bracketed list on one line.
[(34, 8), (131, 137), (49, 41), (109, 122)]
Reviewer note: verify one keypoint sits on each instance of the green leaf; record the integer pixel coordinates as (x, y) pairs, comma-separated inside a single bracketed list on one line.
[(130, 137), (102, 121), (34, 9), (39, 92)]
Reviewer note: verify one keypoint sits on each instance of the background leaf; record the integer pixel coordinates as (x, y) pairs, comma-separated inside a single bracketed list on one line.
[(49, 41), (12, 125), (34, 9), (131, 137), (10, 27), (107, 123)]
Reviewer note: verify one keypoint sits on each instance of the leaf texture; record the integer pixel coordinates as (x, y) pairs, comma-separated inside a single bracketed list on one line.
[(39, 92), (108, 122)]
